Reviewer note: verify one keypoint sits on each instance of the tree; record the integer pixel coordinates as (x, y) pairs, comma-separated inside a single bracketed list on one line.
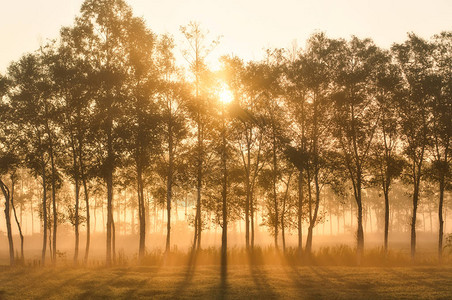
[(246, 133), (8, 161), (441, 84), (414, 59), (172, 103), (315, 67), (104, 28), (386, 165), (355, 115), (29, 93), (195, 57), (140, 131), (72, 74)]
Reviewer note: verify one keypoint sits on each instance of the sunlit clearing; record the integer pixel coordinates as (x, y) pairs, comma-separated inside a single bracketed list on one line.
[(225, 95)]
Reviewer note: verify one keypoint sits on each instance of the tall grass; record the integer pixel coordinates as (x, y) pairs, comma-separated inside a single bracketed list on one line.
[(340, 255)]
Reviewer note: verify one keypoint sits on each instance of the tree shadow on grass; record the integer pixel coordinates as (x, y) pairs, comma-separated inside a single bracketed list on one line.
[(93, 289), (407, 278), (341, 283), (260, 278), (303, 283), (57, 289), (188, 274)]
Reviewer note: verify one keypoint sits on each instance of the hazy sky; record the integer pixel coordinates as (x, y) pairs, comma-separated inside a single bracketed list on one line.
[(247, 26)]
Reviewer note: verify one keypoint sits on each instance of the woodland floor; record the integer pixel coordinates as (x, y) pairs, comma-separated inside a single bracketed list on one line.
[(242, 282)]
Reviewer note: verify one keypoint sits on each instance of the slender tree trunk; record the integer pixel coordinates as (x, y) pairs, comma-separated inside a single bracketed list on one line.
[(440, 218), (252, 220), (53, 181), (275, 198), (224, 232), (386, 233), (169, 184), (77, 194), (308, 246), (113, 240), (248, 190), (7, 196), (417, 178), (300, 212), (141, 212), (88, 223), (109, 217), (109, 179), (54, 207), (413, 223), (360, 231), (19, 227), (198, 219), (44, 212)]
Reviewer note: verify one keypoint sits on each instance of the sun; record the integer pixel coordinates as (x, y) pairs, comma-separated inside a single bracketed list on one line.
[(225, 95)]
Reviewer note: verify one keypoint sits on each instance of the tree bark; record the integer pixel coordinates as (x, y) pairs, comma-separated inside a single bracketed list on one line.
[(224, 232), (300, 212), (19, 227), (440, 219), (44, 212), (386, 229), (7, 196), (141, 212), (169, 183)]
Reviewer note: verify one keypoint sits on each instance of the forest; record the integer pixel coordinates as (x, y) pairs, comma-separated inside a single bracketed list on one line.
[(106, 138)]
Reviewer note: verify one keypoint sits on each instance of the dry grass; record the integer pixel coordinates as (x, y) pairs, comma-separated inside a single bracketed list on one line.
[(257, 278), (330, 273)]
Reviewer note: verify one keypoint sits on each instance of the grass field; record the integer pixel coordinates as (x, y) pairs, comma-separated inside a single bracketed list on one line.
[(242, 282)]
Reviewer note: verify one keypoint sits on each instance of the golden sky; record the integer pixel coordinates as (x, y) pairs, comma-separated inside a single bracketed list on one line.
[(247, 26)]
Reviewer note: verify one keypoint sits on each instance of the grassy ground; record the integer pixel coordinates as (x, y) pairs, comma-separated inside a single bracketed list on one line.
[(242, 282)]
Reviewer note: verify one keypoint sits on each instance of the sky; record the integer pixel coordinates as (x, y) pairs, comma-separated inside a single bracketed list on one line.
[(247, 27)]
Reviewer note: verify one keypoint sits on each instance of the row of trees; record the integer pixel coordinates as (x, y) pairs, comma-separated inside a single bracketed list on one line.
[(105, 104)]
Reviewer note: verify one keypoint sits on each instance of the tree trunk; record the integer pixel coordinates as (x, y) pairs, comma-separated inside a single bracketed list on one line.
[(248, 190), (109, 179), (440, 218), (360, 231), (44, 213), (275, 199), (88, 224), (252, 220), (141, 212), (198, 219), (413, 218), (386, 233), (169, 185), (53, 181), (300, 212), (77, 193), (224, 232), (19, 227), (308, 246), (109, 217), (7, 196)]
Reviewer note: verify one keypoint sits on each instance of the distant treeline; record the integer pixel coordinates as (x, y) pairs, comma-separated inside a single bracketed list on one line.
[(105, 108)]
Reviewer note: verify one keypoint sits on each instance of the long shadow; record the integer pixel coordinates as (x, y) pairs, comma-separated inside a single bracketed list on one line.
[(220, 290), (223, 280), (405, 277), (260, 278), (303, 283), (433, 272), (94, 288), (365, 288), (188, 275), (52, 292)]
